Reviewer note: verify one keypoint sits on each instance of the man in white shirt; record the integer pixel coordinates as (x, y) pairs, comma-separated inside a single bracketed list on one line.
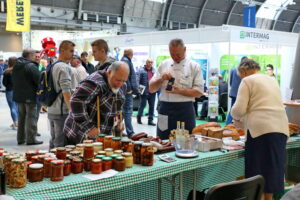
[(177, 103)]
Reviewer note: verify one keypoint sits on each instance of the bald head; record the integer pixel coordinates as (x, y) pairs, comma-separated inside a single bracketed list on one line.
[(128, 53), (149, 63), (117, 75)]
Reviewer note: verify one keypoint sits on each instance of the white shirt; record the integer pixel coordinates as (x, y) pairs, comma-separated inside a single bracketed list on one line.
[(187, 75), (78, 75)]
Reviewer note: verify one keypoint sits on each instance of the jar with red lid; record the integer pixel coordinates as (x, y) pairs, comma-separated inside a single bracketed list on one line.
[(136, 153), (106, 163), (88, 151), (100, 138), (120, 164), (96, 166), (116, 143), (87, 164), (29, 154), (77, 166), (107, 141), (126, 145), (113, 156), (35, 172), (47, 166), (57, 170), (67, 167), (61, 153)]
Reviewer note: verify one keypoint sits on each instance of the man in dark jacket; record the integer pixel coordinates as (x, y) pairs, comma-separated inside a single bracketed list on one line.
[(144, 76), (100, 50), (89, 67), (25, 78), (132, 88)]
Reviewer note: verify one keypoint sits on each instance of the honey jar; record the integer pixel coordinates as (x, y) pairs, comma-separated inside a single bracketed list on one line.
[(128, 159)]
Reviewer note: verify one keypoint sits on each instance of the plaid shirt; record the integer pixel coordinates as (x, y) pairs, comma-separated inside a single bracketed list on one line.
[(83, 116)]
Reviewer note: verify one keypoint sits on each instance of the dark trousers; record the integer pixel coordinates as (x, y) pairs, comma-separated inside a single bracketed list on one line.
[(127, 113), (229, 117), (151, 101), (27, 124), (204, 109)]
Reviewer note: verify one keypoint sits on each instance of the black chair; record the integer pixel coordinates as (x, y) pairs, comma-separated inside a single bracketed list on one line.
[(247, 189), (223, 100)]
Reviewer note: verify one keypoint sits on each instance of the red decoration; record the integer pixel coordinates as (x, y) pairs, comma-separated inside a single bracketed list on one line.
[(49, 47)]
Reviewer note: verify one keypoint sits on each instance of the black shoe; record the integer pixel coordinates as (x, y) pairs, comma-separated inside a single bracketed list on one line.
[(38, 134), (202, 118), (151, 123), (139, 120), (20, 143), (36, 142)]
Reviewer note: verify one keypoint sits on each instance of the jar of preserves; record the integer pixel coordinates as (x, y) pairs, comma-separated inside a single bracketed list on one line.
[(77, 166), (98, 146), (88, 151), (80, 147), (147, 154), (128, 159), (101, 153), (107, 141), (53, 150), (57, 170), (75, 153), (35, 172), (42, 152), (100, 156), (68, 150), (108, 151), (34, 159), (87, 141), (136, 153), (61, 153), (8, 167), (70, 147), (27, 166), (119, 152), (41, 158), (100, 138), (120, 164), (29, 154), (113, 156), (106, 163), (67, 167), (126, 145), (116, 143), (18, 178), (87, 164), (47, 166), (96, 166)]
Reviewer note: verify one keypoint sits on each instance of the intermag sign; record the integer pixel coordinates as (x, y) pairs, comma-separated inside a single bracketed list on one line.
[(252, 36)]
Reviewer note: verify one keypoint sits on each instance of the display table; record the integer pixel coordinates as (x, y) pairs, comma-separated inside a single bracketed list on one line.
[(161, 181)]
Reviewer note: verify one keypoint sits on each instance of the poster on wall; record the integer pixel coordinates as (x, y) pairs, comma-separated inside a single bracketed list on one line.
[(213, 94)]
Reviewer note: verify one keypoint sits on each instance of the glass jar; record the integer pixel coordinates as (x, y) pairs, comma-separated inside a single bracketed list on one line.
[(100, 156), (136, 153), (88, 151), (96, 166), (70, 147), (75, 153), (108, 151), (113, 156), (128, 159), (29, 154), (53, 150), (106, 163), (98, 146), (120, 164), (57, 170), (101, 153), (34, 159), (35, 172), (18, 172), (80, 147), (126, 145), (47, 167), (41, 158), (42, 152), (67, 167), (116, 143), (87, 141), (100, 138), (107, 141), (8, 167), (77, 166), (147, 154), (87, 164), (68, 151), (119, 152), (61, 153)]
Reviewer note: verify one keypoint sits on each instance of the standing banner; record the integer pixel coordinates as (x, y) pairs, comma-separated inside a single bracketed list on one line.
[(18, 15), (249, 16)]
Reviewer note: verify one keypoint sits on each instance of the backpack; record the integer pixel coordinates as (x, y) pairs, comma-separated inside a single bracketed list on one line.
[(46, 93)]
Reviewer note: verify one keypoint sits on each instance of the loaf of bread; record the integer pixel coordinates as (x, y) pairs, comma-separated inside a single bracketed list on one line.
[(215, 132), (231, 133), (293, 128), (199, 128), (241, 132)]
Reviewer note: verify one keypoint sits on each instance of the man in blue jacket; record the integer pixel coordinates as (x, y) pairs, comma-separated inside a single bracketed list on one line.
[(144, 76), (132, 88)]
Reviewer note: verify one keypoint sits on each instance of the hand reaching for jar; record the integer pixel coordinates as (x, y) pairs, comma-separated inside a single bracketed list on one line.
[(93, 132)]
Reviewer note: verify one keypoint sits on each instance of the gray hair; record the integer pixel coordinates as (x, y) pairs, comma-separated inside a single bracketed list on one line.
[(176, 42), (248, 64), (27, 52), (115, 66)]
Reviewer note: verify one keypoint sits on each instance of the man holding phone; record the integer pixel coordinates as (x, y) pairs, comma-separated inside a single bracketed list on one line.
[(185, 77)]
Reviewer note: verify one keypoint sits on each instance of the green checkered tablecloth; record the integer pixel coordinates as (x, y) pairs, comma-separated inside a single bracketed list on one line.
[(141, 182)]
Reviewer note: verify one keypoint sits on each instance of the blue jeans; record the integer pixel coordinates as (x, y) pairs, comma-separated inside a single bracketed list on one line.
[(151, 102), (127, 113), (229, 117), (12, 106)]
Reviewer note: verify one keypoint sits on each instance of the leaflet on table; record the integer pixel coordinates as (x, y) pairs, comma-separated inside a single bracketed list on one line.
[(105, 174)]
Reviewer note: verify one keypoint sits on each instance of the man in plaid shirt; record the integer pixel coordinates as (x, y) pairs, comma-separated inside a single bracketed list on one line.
[(110, 87)]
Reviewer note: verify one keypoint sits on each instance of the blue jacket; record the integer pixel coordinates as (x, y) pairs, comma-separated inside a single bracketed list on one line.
[(131, 82), (234, 82), (142, 78)]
